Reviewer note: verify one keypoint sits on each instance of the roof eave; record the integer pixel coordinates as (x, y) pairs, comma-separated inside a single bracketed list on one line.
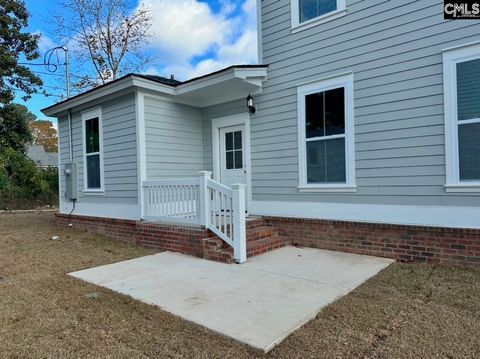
[(254, 75), (109, 89)]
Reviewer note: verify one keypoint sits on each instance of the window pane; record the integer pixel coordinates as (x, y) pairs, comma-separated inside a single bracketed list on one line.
[(468, 89), (229, 160), (93, 171), (238, 159), (314, 115), (229, 141), (238, 140), (310, 9), (325, 113), (326, 161), (92, 136), (335, 111), (469, 151)]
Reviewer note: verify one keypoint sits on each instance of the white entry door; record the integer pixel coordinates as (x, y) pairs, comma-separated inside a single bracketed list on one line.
[(233, 162)]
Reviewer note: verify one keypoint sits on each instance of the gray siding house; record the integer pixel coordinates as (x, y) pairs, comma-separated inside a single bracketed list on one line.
[(364, 112)]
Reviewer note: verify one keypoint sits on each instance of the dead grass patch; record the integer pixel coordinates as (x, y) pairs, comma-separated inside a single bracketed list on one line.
[(407, 311)]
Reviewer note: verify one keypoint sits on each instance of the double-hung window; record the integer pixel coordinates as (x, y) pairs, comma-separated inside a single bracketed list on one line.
[(462, 118), (92, 151), (325, 128), (306, 13)]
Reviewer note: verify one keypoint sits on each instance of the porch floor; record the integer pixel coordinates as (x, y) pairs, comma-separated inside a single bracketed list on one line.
[(258, 303)]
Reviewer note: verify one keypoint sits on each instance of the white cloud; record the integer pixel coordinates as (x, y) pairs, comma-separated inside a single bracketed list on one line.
[(183, 30), (44, 43)]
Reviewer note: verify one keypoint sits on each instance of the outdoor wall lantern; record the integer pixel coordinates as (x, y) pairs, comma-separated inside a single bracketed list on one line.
[(250, 105)]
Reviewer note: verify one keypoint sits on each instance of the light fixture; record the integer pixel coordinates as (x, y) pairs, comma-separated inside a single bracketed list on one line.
[(250, 105)]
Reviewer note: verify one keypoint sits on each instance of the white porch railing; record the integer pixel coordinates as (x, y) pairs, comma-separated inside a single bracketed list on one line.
[(200, 201)]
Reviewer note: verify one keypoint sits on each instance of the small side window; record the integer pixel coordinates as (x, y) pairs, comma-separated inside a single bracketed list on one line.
[(92, 151)]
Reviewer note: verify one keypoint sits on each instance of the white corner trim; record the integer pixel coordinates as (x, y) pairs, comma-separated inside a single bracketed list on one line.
[(141, 147), (104, 210), (436, 216), (89, 114), (297, 26), (327, 189), (345, 80), (259, 32)]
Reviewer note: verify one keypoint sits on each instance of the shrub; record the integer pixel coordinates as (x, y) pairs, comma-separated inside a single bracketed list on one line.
[(22, 184)]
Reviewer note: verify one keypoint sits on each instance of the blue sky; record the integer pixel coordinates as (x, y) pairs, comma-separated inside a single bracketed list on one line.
[(189, 38)]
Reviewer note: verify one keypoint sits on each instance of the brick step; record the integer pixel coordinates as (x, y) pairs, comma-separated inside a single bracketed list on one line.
[(266, 245), (258, 247), (258, 233), (254, 222)]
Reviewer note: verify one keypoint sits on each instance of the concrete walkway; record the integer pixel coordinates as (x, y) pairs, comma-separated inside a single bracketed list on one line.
[(258, 303)]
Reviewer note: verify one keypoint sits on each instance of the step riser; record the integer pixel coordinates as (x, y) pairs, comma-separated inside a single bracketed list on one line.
[(261, 238)]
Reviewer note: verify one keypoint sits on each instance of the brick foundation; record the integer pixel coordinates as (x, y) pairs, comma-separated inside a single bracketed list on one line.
[(404, 243), (193, 241)]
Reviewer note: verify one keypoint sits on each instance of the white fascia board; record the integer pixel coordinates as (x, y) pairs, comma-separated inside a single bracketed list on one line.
[(255, 75), (153, 85), (55, 111), (255, 72), (206, 81)]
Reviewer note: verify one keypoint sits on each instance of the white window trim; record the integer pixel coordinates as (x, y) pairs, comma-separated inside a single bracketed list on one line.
[(332, 82), (299, 26), (88, 115), (451, 57)]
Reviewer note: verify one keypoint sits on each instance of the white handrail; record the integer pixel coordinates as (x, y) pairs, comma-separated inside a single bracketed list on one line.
[(226, 215), (200, 201), (172, 200)]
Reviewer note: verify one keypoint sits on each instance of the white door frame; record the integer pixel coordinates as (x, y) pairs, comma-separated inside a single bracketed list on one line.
[(227, 121)]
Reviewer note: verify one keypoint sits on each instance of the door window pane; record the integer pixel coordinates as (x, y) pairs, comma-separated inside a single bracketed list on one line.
[(92, 136), (233, 150), (93, 171), (230, 163), (469, 151), (310, 9), (326, 161), (468, 89), (238, 159), (237, 143), (229, 141)]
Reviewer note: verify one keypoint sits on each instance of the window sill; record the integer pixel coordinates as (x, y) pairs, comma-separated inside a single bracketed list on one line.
[(94, 193), (463, 187), (327, 189), (318, 20)]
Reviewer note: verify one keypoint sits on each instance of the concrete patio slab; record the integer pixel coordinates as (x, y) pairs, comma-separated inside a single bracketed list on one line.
[(258, 303)]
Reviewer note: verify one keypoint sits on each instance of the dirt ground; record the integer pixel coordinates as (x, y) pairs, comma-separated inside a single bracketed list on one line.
[(407, 311)]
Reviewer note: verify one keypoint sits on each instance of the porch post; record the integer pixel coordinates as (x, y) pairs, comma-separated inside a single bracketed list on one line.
[(203, 206), (239, 226)]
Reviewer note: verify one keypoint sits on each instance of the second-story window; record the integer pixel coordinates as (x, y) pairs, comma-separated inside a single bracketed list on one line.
[(309, 13), (311, 9)]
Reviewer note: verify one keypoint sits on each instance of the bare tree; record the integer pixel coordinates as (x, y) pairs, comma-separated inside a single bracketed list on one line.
[(106, 34)]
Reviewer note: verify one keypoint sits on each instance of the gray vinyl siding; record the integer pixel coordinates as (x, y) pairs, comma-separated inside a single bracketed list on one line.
[(174, 139), (394, 49), (226, 109), (119, 151)]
